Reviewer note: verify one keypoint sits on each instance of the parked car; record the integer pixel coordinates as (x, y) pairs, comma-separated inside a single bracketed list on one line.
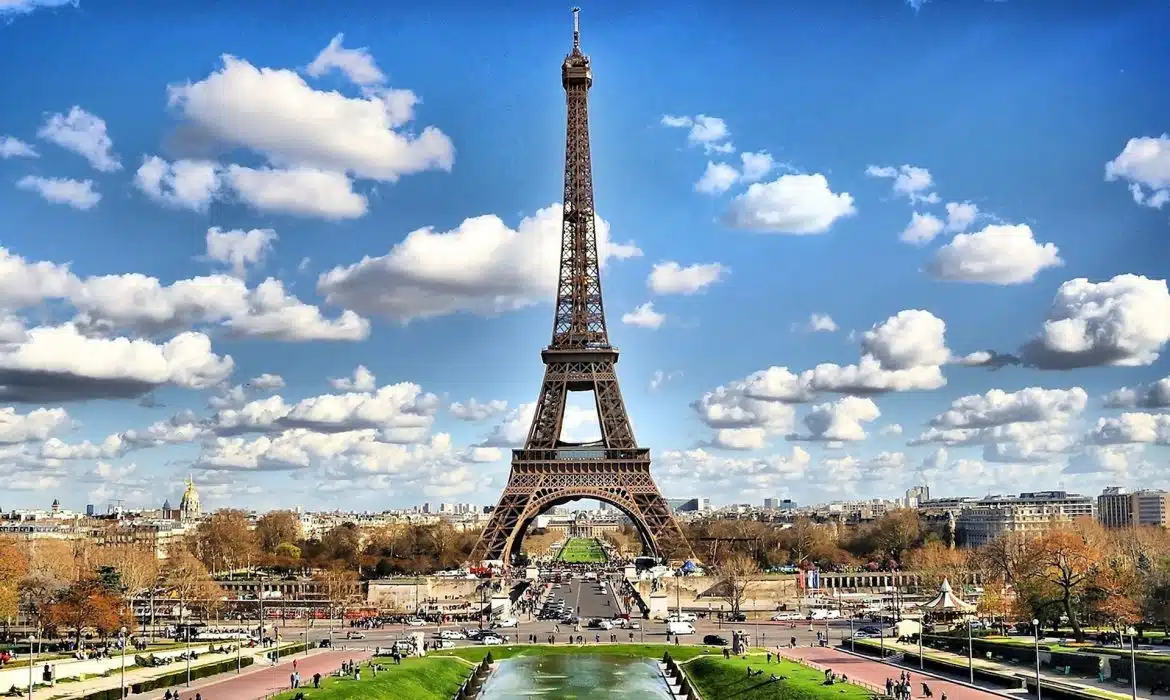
[(452, 634), (415, 622), (714, 640), (355, 635), (442, 644), (490, 641), (506, 622), (737, 617), (786, 616)]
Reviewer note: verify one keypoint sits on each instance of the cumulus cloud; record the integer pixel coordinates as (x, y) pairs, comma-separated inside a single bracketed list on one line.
[(710, 133), (910, 181), (996, 255), (644, 316), (34, 426), (819, 323), (12, 147), (477, 411), (239, 249), (78, 194), (672, 278), (840, 420), (297, 191), (792, 204), (498, 269), (357, 65), (84, 134), (1148, 428), (185, 184), (960, 216), (922, 229), (8, 8), (720, 177), (1144, 163), (1154, 395), (580, 425), (699, 468), (362, 380)]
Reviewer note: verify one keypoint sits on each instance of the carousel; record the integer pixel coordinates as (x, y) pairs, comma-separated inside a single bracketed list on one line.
[(946, 606)]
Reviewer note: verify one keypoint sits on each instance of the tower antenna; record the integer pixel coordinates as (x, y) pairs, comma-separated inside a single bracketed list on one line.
[(576, 27)]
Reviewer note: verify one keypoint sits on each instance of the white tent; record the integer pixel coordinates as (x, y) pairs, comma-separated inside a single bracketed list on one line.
[(946, 602)]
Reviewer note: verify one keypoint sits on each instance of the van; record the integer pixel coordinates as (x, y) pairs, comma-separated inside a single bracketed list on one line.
[(680, 628)]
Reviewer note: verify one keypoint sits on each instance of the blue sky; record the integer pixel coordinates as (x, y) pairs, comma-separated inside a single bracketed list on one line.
[(902, 198)]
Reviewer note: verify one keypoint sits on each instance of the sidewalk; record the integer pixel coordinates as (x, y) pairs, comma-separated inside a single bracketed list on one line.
[(265, 680), (876, 673), (1089, 684), (136, 674)]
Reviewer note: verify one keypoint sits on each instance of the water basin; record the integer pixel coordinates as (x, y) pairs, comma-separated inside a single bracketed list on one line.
[(583, 677)]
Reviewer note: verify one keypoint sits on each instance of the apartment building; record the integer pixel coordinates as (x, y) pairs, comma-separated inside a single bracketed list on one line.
[(1030, 514), (1116, 507)]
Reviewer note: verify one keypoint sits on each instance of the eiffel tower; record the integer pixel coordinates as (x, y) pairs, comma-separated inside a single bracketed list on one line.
[(549, 471)]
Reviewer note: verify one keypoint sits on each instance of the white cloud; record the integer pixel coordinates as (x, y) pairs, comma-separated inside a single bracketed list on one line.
[(21, 7), (1154, 395), (719, 177), (84, 134), (239, 249), (709, 132), (356, 64), (794, 204), (660, 378), (922, 229), (297, 191), (57, 363), (476, 411), (960, 216), (78, 194), (34, 426), (840, 421), (819, 323), (644, 316), (699, 468), (12, 147), (274, 112), (481, 267), (268, 382), (1145, 164), (1123, 322), (1149, 428), (671, 278), (143, 305), (187, 184), (740, 421), (891, 429), (363, 380), (580, 425), (998, 407), (910, 181), (996, 255)]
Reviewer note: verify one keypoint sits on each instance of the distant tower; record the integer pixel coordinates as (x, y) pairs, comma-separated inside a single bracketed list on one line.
[(56, 507), (168, 513), (189, 508)]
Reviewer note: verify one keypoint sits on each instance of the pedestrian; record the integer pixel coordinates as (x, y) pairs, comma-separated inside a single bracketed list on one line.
[(769, 657), (926, 691), (316, 680), (292, 680), (198, 696)]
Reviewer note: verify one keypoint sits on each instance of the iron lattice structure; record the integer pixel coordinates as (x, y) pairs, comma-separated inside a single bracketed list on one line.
[(549, 471)]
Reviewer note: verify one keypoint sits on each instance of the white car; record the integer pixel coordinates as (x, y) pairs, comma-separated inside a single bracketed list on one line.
[(355, 635), (442, 644), (506, 622), (683, 617), (415, 622), (786, 616), (452, 634), (491, 641)]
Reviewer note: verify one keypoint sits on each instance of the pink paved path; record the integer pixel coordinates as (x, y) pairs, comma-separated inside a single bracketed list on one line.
[(257, 683), (876, 673)]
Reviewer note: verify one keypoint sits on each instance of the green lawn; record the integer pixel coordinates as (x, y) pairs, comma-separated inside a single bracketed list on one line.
[(582, 550), (649, 651), (429, 678), (721, 678)]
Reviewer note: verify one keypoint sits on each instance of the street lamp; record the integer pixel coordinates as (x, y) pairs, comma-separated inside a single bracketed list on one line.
[(1036, 636), (970, 654), (852, 643), (124, 640), (187, 634), (1133, 664), (31, 663), (921, 630), (240, 646)]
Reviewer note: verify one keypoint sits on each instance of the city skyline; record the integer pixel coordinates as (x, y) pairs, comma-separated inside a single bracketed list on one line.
[(314, 266)]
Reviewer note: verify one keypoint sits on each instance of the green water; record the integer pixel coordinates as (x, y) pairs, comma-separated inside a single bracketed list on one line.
[(576, 678)]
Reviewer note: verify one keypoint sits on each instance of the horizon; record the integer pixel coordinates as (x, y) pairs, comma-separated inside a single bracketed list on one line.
[(312, 262)]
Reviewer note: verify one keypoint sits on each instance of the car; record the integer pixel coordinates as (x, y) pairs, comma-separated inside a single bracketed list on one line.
[(786, 616), (404, 646), (737, 617), (714, 640), (506, 622), (684, 617), (452, 634), (600, 624), (490, 641), (355, 635), (442, 644), (415, 622), (677, 627)]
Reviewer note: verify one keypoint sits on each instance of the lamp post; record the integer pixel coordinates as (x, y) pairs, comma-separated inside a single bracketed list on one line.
[(852, 642), (187, 634), (970, 655), (1133, 664), (921, 629), (1036, 636), (124, 640), (31, 663), (240, 647), (756, 612)]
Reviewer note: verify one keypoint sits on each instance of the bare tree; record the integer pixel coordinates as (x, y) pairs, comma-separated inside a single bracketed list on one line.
[(738, 572)]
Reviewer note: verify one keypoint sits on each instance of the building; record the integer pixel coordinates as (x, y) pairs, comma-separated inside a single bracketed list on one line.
[(916, 495), (190, 509), (1118, 508), (1113, 507), (1029, 514)]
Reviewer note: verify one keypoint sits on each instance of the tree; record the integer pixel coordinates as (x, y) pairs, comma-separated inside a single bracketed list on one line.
[(87, 604), (935, 561), (338, 583), (996, 603), (892, 534), (137, 568), (737, 572), (1063, 564), (224, 541), (342, 543), (276, 528), (189, 581), (13, 570), (1116, 596), (288, 551)]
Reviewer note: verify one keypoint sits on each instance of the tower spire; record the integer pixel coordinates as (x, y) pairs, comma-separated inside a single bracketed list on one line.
[(576, 28)]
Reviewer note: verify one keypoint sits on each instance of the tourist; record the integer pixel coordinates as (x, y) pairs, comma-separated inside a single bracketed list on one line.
[(769, 656), (316, 680), (292, 680), (926, 691)]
